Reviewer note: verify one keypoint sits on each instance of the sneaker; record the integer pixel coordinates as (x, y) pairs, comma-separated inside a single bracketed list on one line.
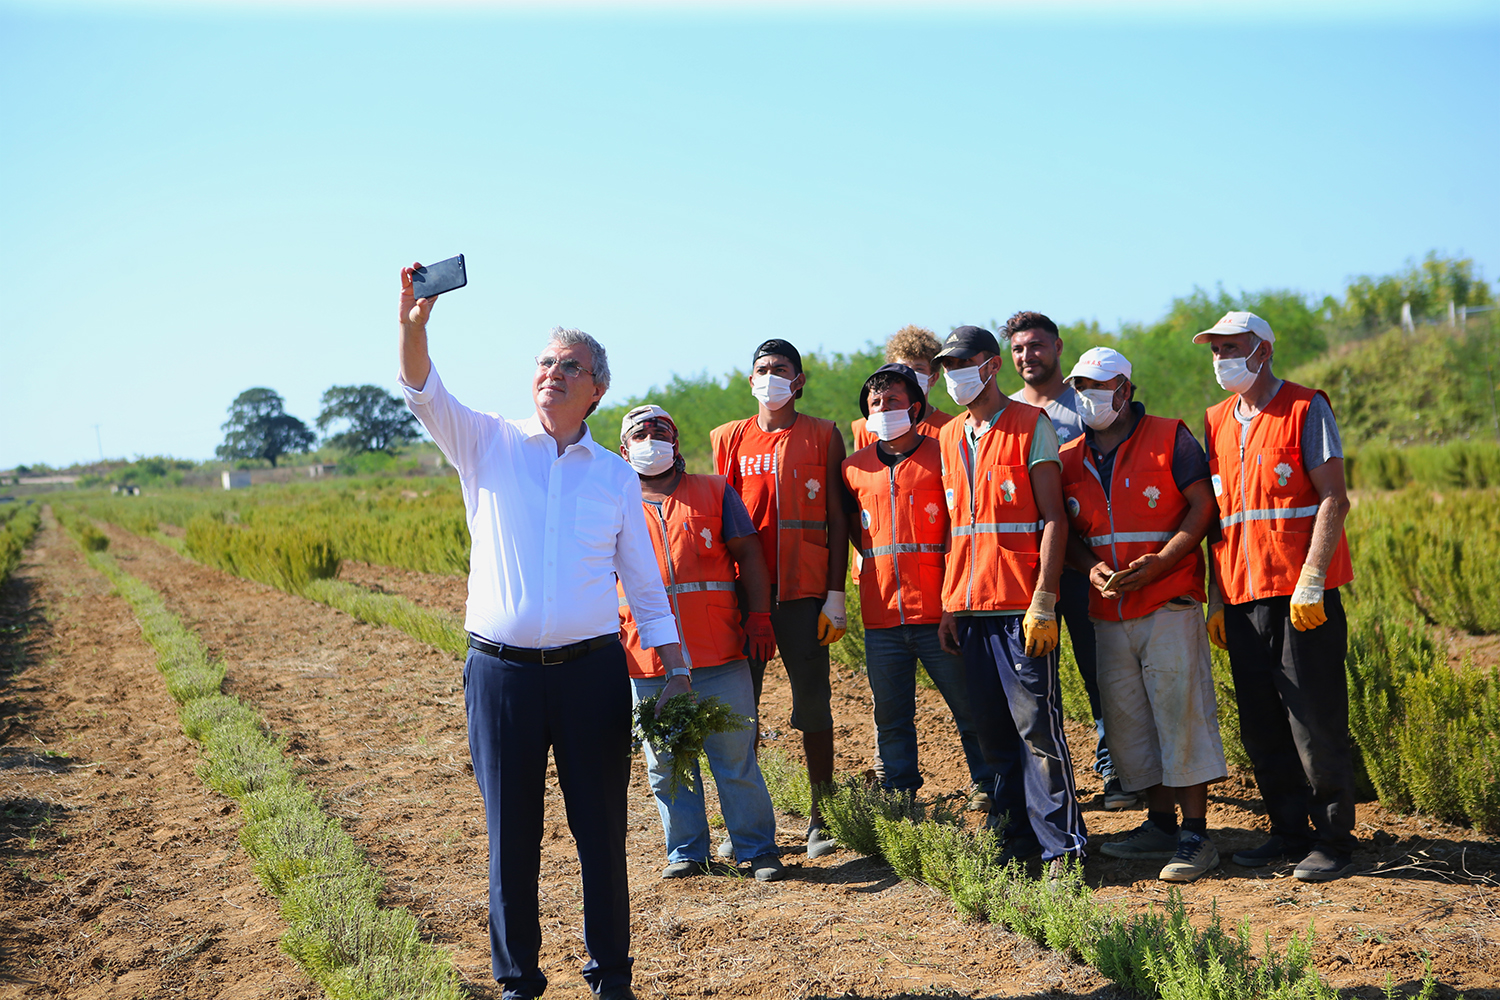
[(1196, 856), (726, 849), (1147, 842), (1276, 849), (1021, 849), (979, 800), (820, 842), (1117, 798), (682, 869), (767, 868), (1323, 865)]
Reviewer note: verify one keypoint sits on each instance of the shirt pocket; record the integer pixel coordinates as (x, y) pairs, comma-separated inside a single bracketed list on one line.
[(1280, 471), (596, 524)]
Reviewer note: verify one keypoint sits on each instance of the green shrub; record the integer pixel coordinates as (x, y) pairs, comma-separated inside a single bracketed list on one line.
[(92, 539), (287, 558), (443, 631), (18, 524), (786, 780)]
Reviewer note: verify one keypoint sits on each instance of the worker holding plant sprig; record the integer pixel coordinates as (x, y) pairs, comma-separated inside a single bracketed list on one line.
[(1278, 558), (1139, 503), (704, 542)]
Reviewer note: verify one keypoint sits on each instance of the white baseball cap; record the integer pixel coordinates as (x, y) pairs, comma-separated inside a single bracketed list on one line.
[(1100, 364), (1238, 322), (641, 414)]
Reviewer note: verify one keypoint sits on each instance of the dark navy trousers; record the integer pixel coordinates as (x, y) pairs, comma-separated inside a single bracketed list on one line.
[(1017, 709), (582, 711)]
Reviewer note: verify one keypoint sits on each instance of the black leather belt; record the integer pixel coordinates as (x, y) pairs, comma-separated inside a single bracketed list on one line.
[(550, 656)]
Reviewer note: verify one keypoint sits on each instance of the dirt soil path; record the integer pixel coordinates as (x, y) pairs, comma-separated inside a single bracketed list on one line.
[(123, 876), (376, 720)]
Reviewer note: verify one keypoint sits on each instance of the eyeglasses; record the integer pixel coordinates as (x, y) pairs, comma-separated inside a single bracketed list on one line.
[(569, 367)]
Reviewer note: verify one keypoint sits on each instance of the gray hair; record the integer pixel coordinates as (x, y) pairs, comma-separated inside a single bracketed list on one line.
[(599, 360)]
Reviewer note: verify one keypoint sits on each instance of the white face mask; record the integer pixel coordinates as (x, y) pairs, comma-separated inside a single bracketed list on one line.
[(965, 384), (772, 390), (888, 425), (1234, 374), (1097, 407), (652, 457)]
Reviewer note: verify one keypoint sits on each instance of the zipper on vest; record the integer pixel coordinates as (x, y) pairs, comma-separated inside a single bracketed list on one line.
[(666, 544), (896, 556), (1244, 525)]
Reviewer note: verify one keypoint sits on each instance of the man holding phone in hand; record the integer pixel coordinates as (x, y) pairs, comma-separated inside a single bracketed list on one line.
[(554, 518)]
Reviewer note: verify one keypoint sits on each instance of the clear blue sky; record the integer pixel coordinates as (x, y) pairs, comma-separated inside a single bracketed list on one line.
[(198, 200)]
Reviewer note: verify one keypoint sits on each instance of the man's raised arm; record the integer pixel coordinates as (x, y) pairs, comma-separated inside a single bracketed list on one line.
[(415, 364)]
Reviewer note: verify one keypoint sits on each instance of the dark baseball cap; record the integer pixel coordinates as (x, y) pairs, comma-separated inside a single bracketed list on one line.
[(778, 346), (913, 387), (967, 341)]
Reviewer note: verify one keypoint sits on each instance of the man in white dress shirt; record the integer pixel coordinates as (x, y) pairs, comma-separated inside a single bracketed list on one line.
[(554, 518)]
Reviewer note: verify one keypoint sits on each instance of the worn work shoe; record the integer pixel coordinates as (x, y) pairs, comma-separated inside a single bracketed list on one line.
[(726, 849), (682, 869), (1276, 849), (979, 800), (1147, 842), (1323, 865), (615, 993), (1117, 798), (1021, 849), (1196, 856), (767, 868), (820, 842)]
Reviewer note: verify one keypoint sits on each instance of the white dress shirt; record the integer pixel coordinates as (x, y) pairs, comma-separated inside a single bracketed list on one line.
[(550, 532)]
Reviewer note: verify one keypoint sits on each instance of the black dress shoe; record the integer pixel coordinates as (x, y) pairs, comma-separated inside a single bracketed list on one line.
[(615, 993)]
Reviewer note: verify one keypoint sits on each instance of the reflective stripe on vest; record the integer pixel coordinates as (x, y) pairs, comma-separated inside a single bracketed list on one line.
[(1273, 514), (890, 550), (804, 525), (694, 587), (1126, 537), (999, 528)]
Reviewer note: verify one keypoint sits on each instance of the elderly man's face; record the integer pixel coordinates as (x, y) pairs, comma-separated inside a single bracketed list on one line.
[(1234, 345), (555, 390)]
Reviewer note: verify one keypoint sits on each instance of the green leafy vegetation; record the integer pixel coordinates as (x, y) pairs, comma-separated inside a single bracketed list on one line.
[(259, 427), (18, 524), (685, 722)]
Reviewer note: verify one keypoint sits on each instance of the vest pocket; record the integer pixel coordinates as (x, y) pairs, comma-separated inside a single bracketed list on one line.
[(1280, 472)]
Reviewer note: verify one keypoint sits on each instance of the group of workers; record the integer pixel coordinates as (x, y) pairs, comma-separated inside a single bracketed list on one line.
[(972, 534)]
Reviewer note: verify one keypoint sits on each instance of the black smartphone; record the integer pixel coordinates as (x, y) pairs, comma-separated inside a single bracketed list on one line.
[(435, 279)]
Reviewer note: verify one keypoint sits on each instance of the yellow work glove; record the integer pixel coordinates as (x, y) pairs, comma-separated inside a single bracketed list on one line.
[(1040, 624), (1307, 601), (832, 621), (1216, 632)]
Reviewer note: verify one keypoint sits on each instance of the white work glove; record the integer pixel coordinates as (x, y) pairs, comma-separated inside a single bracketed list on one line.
[(1040, 624), (832, 622), (1307, 600)]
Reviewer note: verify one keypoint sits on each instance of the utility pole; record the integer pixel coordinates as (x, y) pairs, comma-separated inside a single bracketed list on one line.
[(99, 441)]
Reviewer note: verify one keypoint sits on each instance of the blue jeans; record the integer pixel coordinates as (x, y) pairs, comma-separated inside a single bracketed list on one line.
[(743, 798), (891, 656)]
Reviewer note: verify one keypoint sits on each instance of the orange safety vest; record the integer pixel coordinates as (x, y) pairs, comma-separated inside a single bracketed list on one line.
[(1143, 512), (801, 500), (902, 536), (930, 424), (698, 572), (1267, 502), (995, 553)]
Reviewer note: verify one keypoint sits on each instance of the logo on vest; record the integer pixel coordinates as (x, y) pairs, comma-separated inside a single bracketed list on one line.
[(951, 500), (932, 510), (1218, 485), (1074, 507), (1152, 494), (1283, 473), (864, 519), (1008, 491), (708, 538), (813, 486)]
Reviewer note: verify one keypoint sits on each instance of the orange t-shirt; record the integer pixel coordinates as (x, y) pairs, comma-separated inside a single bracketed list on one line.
[(754, 478)]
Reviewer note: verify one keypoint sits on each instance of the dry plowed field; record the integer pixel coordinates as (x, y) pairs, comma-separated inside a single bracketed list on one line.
[(123, 877)]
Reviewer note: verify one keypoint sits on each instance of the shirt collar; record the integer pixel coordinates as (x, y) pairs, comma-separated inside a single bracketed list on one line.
[(532, 428)]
